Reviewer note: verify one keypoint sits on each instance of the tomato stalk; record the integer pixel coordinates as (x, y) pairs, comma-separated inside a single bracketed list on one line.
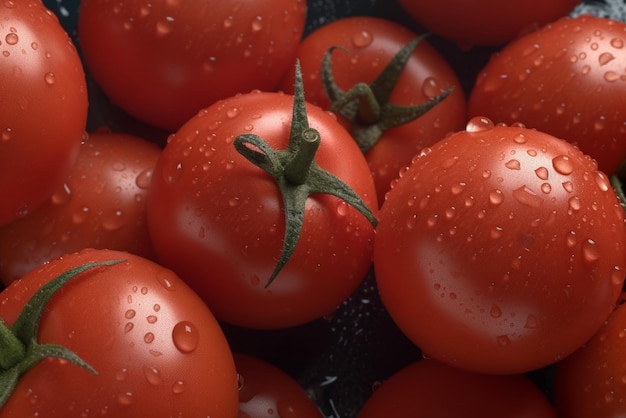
[(367, 106), (19, 349), (297, 174)]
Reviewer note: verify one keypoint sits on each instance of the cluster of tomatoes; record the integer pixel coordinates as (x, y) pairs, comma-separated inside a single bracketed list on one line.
[(256, 209)]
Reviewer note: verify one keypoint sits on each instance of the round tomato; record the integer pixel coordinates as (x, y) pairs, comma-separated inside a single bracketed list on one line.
[(365, 46), (100, 205), (430, 389), (590, 382), (266, 391), (567, 79), (223, 223), (43, 111), (485, 22), (163, 61), (154, 346), (501, 249)]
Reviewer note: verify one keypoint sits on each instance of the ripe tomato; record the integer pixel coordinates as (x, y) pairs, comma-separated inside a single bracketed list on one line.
[(156, 348), (266, 391), (590, 382), (567, 79), (219, 221), (501, 249), (485, 22), (100, 205), (429, 389), (370, 44), (43, 111), (163, 61)]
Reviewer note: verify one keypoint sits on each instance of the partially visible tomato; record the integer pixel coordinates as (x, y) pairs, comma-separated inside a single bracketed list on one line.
[(163, 61), (222, 223), (366, 46), (43, 109), (156, 348), (567, 79), (266, 391), (100, 205), (501, 249), (430, 389), (590, 382), (485, 22)]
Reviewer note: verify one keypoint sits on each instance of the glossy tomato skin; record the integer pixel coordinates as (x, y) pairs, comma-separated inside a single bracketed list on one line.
[(485, 22), (566, 79), (589, 383), (156, 347), (100, 205), (370, 43), (218, 220), (163, 61), (266, 391), (43, 112), (430, 389), (500, 249)]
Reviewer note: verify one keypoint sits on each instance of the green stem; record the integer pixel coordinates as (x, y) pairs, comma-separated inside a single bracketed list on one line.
[(298, 168), (12, 350)]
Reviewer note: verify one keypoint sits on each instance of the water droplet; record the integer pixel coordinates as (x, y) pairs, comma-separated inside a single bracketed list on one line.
[(164, 27), (602, 181), (125, 398), (591, 252), (542, 173), (121, 375), (257, 24), (495, 311), (617, 43), (148, 337), (479, 124), (113, 221), (11, 38), (531, 322), (152, 319), (503, 340), (178, 387), (144, 179), (153, 376), (496, 197), (605, 58), (49, 78), (574, 203), (172, 174), (233, 112), (362, 38), (527, 197), (431, 87), (342, 208), (128, 327), (513, 164), (571, 239), (496, 232), (129, 314), (185, 336), (166, 282), (563, 165), (568, 186), (617, 276)]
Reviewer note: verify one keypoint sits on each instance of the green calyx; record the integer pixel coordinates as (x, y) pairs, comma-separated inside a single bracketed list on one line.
[(297, 174), (19, 349), (367, 107)]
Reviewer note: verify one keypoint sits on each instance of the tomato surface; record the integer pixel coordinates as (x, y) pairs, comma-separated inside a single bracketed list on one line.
[(156, 348), (100, 205), (266, 391), (163, 61), (367, 45), (430, 389), (590, 382), (218, 220), (43, 111), (485, 22), (501, 249), (567, 79)]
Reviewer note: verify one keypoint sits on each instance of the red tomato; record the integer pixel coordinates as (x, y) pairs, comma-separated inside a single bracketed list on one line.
[(485, 22), (163, 61), (219, 221), (156, 348), (590, 382), (370, 43), (501, 249), (567, 79), (266, 391), (429, 389), (101, 205), (43, 111)]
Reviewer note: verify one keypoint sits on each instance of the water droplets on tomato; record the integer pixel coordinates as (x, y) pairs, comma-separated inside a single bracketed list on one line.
[(563, 164), (527, 197), (479, 124), (185, 336)]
